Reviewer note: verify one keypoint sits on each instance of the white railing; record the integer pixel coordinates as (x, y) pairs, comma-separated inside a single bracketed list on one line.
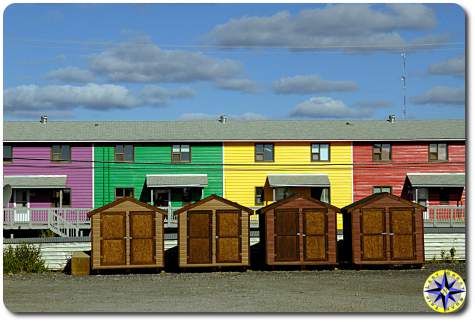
[(444, 216), (171, 220), (46, 217)]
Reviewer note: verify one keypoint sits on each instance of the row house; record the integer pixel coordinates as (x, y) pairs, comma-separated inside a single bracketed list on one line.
[(54, 172)]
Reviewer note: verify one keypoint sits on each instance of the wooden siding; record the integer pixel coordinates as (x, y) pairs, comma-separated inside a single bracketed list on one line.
[(213, 206), (354, 230), (206, 159), (289, 158), (268, 233), (437, 242), (79, 172), (127, 208), (407, 157)]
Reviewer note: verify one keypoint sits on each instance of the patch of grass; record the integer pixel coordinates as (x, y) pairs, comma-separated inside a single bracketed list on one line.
[(24, 258)]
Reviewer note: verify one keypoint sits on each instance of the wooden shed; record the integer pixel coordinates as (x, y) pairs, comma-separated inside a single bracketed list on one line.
[(298, 230), (213, 232), (127, 233), (383, 229)]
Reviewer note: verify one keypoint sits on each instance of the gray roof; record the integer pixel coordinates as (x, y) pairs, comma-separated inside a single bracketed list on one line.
[(298, 180), (40, 181), (196, 131), (177, 180), (427, 180)]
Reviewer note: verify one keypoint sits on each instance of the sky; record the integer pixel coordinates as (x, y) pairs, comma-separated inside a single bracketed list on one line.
[(248, 61)]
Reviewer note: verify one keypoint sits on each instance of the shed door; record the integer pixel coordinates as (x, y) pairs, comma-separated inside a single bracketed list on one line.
[(287, 235), (142, 237), (228, 236), (315, 234), (402, 234), (373, 234), (199, 237), (113, 235)]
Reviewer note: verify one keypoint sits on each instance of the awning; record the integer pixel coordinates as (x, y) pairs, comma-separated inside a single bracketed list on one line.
[(176, 180), (297, 180), (427, 180), (36, 181)]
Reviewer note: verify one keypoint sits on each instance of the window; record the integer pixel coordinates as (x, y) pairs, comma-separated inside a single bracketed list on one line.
[(422, 195), (322, 194), (281, 193), (124, 153), (61, 198), (259, 199), (382, 189), (264, 152), (67, 198), (381, 152), (444, 196), (61, 153), (7, 153), (181, 153), (438, 152), (124, 192), (320, 152)]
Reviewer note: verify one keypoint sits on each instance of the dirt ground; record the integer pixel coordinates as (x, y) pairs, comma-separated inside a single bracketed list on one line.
[(393, 290)]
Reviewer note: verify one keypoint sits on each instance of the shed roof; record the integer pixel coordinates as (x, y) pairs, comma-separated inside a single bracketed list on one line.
[(293, 197), (377, 196), (36, 181), (213, 197), (177, 180), (214, 131), (298, 180), (122, 200), (427, 180)]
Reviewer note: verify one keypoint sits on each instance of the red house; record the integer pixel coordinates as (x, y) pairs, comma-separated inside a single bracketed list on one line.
[(418, 166)]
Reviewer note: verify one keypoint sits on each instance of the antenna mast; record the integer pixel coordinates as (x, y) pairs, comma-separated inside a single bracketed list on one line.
[(403, 79)]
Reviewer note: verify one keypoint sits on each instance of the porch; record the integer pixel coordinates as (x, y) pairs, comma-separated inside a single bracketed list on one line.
[(444, 216)]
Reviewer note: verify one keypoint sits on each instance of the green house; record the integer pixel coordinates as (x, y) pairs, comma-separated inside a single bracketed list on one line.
[(162, 174)]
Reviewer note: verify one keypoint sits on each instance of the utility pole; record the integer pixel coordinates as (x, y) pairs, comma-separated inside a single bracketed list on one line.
[(403, 79)]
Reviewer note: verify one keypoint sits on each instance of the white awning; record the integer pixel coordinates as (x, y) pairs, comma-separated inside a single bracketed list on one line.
[(427, 180), (36, 181), (176, 180), (298, 180)]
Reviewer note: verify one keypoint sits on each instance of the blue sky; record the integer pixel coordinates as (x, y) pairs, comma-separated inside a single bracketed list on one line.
[(249, 61)]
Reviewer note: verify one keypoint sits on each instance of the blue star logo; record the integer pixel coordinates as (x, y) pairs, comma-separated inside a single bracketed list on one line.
[(445, 291)]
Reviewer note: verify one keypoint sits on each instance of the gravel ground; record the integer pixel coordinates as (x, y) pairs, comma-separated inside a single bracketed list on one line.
[(390, 290)]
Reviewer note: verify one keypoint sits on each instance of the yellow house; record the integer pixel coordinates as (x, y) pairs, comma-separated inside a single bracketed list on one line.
[(256, 174)]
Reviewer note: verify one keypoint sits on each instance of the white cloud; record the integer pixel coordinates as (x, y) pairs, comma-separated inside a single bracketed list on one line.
[(327, 107), (247, 116), (311, 84), (371, 104), (158, 96), (348, 26), (30, 98), (144, 62), (453, 66), (71, 75), (441, 95), (237, 84)]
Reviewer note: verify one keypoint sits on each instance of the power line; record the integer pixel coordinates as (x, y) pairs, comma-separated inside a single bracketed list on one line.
[(355, 45), (259, 164)]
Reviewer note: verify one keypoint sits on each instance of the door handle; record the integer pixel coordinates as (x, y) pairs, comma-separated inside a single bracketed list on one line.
[(304, 235), (217, 237)]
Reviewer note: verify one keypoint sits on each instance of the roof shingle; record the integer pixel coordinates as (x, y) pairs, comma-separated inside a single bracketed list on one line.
[(209, 131)]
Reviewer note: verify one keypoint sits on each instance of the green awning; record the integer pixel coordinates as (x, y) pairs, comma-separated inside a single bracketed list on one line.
[(176, 180), (297, 180), (428, 180), (36, 182)]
